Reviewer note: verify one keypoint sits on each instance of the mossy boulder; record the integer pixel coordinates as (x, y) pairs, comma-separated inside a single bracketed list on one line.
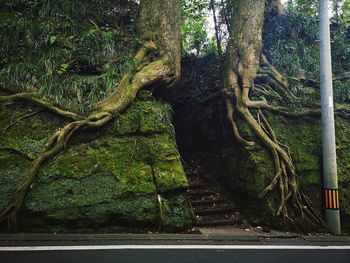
[(250, 171), (107, 178)]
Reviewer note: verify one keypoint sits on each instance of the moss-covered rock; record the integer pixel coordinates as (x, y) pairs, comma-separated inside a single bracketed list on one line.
[(110, 178), (250, 171), (74, 53), (175, 217)]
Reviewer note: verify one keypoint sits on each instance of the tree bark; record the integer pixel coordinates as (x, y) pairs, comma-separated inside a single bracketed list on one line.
[(244, 45), (242, 63), (216, 27), (158, 62)]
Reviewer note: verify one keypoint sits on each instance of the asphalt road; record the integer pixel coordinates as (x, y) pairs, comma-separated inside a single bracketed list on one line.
[(221, 254), (167, 248)]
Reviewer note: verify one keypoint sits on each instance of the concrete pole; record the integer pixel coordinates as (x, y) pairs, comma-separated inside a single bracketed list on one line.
[(328, 133)]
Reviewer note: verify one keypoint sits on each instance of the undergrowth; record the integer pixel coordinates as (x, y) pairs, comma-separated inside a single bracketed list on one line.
[(72, 52), (291, 42)]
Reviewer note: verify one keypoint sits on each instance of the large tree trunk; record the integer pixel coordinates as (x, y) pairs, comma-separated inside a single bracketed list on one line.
[(242, 56), (156, 63), (242, 64)]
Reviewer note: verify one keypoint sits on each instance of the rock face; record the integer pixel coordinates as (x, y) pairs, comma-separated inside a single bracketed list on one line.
[(128, 174), (251, 171), (246, 172)]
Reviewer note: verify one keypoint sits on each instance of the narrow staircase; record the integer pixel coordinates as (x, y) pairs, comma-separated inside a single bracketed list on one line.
[(209, 203)]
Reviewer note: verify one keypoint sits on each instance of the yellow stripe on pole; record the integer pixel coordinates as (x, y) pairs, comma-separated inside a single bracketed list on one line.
[(331, 199), (338, 205)]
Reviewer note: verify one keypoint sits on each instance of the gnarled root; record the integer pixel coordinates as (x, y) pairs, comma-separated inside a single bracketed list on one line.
[(231, 118), (148, 71), (270, 83), (295, 208), (263, 105), (31, 97)]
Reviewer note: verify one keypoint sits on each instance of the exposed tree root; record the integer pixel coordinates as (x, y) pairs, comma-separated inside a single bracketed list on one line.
[(242, 72), (271, 83), (149, 70), (54, 146), (294, 207), (31, 97), (340, 112), (230, 117), (160, 207)]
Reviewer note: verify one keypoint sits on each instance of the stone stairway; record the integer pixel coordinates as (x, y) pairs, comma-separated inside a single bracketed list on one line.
[(209, 203)]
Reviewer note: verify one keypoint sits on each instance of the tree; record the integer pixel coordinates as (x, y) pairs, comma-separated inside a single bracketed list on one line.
[(245, 64), (156, 63), (216, 27), (194, 35)]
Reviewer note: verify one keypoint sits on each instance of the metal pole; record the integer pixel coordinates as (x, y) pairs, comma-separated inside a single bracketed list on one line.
[(328, 133)]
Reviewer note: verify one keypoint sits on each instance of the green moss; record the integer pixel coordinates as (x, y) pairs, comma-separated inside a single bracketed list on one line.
[(100, 175), (177, 214), (144, 116), (107, 157), (103, 177), (23, 133), (170, 176), (98, 210), (248, 173), (251, 170), (100, 178), (12, 170), (28, 146)]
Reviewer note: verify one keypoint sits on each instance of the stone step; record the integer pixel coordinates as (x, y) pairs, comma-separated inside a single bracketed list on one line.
[(201, 202), (223, 222), (215, 211), (200, 192), (197, 186)]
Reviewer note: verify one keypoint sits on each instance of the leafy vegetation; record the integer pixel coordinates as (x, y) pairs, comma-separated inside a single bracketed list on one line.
[(291, 42), (68, 53), (194, 25)]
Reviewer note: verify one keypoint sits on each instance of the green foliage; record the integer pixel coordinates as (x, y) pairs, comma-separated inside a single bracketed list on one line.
[(307, 8), (345, 12), (73, 52), (194, 25), (291, 43)]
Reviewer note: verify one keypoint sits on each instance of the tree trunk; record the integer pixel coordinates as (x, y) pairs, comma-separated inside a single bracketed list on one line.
[(242, 64), (244, 46), (160, 21), (158, 61), (216, 27)]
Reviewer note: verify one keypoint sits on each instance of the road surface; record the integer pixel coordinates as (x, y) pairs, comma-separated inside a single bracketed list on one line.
[(171, 248)]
